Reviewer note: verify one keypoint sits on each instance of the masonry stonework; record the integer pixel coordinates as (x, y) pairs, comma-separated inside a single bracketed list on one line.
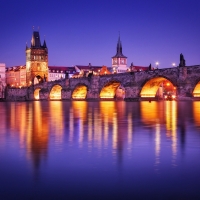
[(184, 79)]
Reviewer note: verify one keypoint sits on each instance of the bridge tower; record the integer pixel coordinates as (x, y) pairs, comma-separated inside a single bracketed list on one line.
[(119, 61), (36, 61)]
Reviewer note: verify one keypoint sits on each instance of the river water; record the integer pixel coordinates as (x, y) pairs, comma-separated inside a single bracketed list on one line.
[(99, 150)]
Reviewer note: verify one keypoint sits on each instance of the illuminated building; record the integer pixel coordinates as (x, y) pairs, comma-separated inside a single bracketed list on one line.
[(56, 73), (82, 70), (16, 76), (119, 61), (36, 61), (2, 79), (2, 72)]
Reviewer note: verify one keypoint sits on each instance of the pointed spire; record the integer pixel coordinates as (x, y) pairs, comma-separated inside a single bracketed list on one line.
[(119, 46), (26, 46), (44, 44), (119, 53)]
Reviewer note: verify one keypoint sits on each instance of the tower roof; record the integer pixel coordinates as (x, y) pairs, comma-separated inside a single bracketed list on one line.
[(35, 41), (119, 53)]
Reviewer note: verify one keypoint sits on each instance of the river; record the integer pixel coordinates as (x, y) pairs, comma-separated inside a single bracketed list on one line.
[(100, 150)]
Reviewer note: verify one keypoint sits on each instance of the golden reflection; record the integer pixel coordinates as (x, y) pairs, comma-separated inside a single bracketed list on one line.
[(171, 124), (150, 112), (171, 114), (97, 128), (55, 93), (80, 92), (130, 129), (115, 131), (37, 136), (108, 110), (90, 127), (106, 120), (13, 115), (37, 93), (196, 111), (22, 124), (109, 90), (80, 113), (157, 144), (71, 125), (56, 121), (196, 92)]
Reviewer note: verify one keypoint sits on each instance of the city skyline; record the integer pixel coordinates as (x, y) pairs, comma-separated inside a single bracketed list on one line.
[(87, 32)]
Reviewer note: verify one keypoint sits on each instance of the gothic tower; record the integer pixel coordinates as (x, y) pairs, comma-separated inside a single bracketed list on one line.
[(36, 61), (119, 61)]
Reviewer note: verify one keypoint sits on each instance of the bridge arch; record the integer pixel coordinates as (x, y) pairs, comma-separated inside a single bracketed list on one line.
[(80, 92), (55, 92), (112, 89), (157, 87), (37, 93), (37, 79), (196, 90)]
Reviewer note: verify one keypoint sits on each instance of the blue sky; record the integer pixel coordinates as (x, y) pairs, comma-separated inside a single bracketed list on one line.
[(79, 32)]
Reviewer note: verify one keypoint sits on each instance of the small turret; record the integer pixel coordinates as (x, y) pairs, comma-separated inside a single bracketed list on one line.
[(44, 44)]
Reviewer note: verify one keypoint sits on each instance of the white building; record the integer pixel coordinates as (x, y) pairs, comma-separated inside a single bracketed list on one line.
[(119, 61), (2, 79), (56, 72)]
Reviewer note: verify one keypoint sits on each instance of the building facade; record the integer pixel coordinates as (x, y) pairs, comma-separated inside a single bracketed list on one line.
[(119, 61), (36, 61), (16, 76), (56, 72), (2, 79)]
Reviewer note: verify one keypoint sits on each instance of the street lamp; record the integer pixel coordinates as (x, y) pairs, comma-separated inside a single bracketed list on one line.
[(173, 64), (157, 63)]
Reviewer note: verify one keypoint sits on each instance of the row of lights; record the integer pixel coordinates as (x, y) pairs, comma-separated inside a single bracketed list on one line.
[(157, 63)]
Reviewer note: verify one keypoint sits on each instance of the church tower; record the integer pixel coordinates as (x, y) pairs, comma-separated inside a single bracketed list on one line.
[(36, 61), (119, 61)]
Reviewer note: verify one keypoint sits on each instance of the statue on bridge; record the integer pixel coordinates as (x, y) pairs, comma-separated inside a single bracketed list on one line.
[(182, 61)]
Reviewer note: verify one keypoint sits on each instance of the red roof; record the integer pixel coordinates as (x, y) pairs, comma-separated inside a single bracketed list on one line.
[(139, 68), (61, 68)]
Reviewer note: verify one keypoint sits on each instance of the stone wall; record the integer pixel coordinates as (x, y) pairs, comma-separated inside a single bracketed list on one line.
[(17, 94), (184, 78)]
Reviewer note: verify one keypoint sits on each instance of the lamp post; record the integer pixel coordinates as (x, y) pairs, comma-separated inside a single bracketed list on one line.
[(157, 63), (173, 64)]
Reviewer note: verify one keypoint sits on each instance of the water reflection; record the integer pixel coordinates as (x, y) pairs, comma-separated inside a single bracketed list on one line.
[(103, 125), (115, 145)]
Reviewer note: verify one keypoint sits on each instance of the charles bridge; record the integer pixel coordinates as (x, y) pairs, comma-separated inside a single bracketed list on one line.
[(131, 86)]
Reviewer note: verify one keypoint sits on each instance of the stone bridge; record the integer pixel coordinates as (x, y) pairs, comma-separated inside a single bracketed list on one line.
[(129, 86)]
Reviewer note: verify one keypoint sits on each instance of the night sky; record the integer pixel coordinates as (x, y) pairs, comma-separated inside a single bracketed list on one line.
[(78, 32)]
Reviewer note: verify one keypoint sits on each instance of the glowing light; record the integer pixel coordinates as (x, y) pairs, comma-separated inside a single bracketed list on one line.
[(109, 90), (37, 93), (55, 92), (151, 87), (173, 96), (196, 112), (196, 92), (157, 63), (80, 92)]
